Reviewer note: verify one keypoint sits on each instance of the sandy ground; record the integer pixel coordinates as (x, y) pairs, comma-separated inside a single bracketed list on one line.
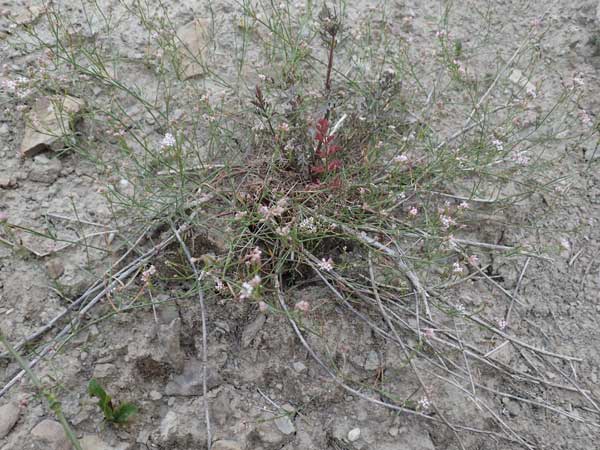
[(257, 369)]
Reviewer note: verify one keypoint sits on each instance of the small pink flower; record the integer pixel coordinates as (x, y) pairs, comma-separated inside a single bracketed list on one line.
[(413, 211), (456, 268), (473, 260), (219, 286), (148, 273), (536, 23), (283, 231), (585, 117), (248, 287), (517, 122), (578, 80), (262, 306), (460, 67), (400, 159), (424, 404), (303, 306), (326, 264), (464, 205), (280, 207), (429, 332), (246, 291), (209, 118), (520, 158), (264, 211), (447, 221), (502, 324), (460, 308), (254, 257)]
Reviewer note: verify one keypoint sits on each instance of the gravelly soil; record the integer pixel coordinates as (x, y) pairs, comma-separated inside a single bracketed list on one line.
[(153, 358)]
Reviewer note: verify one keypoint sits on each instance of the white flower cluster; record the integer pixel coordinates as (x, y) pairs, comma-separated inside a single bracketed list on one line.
[(308, 225), (168, 141), (16, 86)]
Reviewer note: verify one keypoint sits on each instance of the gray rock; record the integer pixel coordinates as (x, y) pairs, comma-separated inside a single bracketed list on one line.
[(268, 433), (51, 119), (45, 170), (410, 439), (168, 426), (74, 281), (195, 39), (189, 383), (252, 330), (155, 395), (226, 445), (512, 406), (353, 434), (182, 424), (55, 268), (29, 15), (143, 437), (168, 311), (93, 442), (7, 182), (503, 353), (4, 129), (372, 361), (9, 414), (517, 77), (49, 435), (222, 326), (285, 425), (103, 371), (299, 366), (170, 343)]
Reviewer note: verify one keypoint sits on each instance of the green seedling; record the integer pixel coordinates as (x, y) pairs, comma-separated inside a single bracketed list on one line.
[(119, 414)]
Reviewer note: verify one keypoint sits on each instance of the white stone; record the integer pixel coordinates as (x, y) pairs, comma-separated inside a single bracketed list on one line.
[(93, 442), (50, 120), (51, 434), (299, 366), (517, 77), (353, 434), (168, 426), (9, 414), (285, 425), (195, 39)]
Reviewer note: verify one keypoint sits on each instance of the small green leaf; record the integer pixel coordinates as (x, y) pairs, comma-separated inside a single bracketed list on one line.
[(124, 412), (104, 400), (95, 390), (457, 49)]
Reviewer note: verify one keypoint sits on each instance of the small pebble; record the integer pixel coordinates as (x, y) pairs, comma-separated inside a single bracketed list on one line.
[(155, 395), (299, 367), (353, 434)]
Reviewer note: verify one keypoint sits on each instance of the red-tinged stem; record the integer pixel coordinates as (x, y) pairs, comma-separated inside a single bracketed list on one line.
[(327, 88), (329, 69)]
